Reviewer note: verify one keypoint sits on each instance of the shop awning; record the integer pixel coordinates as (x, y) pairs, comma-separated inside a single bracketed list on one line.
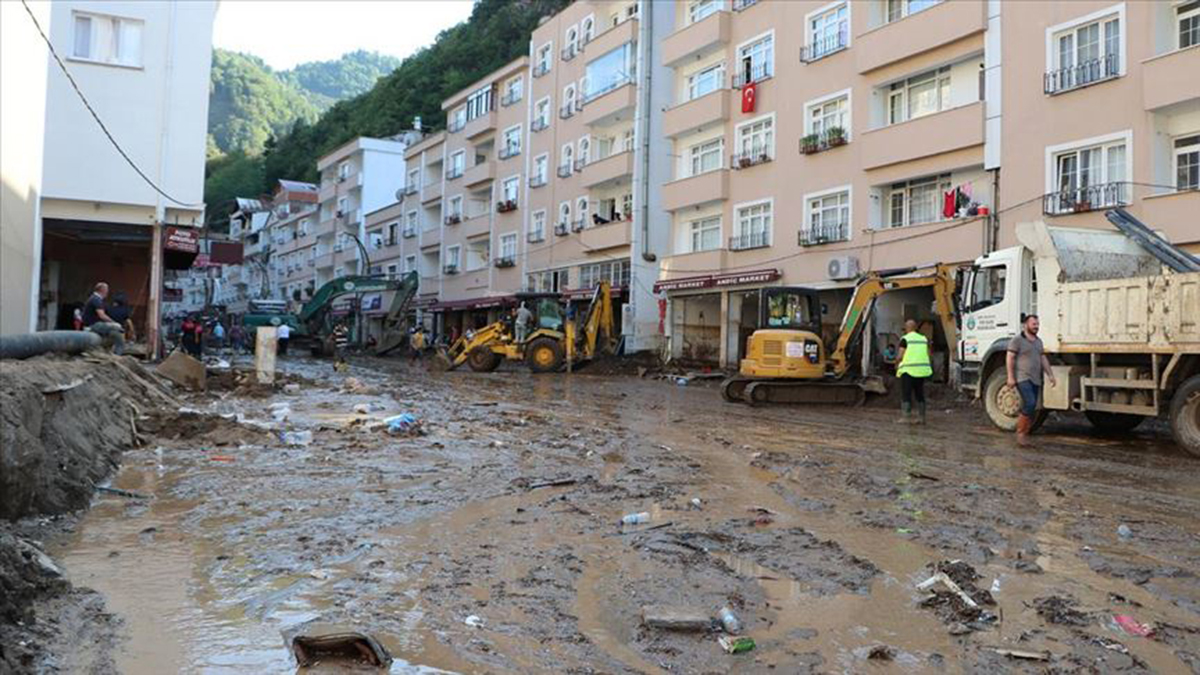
[(473, 303), (761, 276), (586, 293), (180, 247)]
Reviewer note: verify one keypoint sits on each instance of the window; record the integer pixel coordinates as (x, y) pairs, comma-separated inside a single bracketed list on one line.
[(1187, 163), (454, 168), (343, 207), (568, 157), (917, 201), (627, 204), (585, 151), (705, 81), (541, 168), (410, 263), (616, 273), (108, 39), (509, 189), (898, 9), (414, 181), (568, 106), (302, 230), (544, 57), (1089, 177), (756, 142), (458, 120), (541, 114), (393, 233), (581, 213), (454, 208), (828, 32), (830, 114), (391, 272), (706, 156), (343, 171), (572, 45), (588, 29), (609, 72), (564, 214), (410, 224), (513, 90), (537, 226), (1085, 54), (453, 258), (705, 234), (1188, 15), (756, 60), (919, 95), (511, 142), (753, 227), (508, 246), (479, 103), (698, 10), (828, 219), (987, 287)]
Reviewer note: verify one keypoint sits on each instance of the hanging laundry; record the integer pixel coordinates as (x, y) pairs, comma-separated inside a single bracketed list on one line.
[(950, 203)]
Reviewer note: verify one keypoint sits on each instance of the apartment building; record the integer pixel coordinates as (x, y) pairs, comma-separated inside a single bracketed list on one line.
[(816, 140)]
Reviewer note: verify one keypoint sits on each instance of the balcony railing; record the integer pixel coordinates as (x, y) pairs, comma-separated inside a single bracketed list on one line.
[(537, 181), (821, 47), (449, 269), (455, 126), (541, 69), (566, 111), (749, 158), (507, 152), (561, 229), (510, 98), (410, 232), (615, 83), (1084, 199), (411, 189), (505, 261), (506, 205), (564, 170), (569, 52), (578, 225), (745, 242), (829, 138), (538, 124), (535, 236), (758, 73), (739, 5), (454, 173), (453, 219), (825, 233), (1082, 75), (580, 163)]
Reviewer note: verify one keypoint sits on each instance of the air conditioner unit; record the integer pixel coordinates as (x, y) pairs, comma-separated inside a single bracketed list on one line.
[(337, 248), (842, 267)]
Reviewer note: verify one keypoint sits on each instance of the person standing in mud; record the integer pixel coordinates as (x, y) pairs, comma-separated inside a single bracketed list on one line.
[(417, 343), (283, 335), (915, 367), (1027, 363), (341, 341)]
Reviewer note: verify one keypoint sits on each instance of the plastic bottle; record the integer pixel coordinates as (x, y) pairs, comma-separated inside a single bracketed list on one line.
[(729, 621), (636, 518)]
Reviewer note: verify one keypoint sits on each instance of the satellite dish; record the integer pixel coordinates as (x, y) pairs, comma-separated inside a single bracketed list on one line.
[(400, 194)]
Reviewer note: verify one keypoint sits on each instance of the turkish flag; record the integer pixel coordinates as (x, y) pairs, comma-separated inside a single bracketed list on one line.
[(749, 93)]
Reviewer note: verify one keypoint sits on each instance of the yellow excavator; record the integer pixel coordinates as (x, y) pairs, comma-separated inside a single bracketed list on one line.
[(786, 360), (555, 341)]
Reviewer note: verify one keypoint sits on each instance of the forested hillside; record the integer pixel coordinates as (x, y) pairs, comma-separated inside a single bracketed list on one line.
[(327, 82), (497, 32)]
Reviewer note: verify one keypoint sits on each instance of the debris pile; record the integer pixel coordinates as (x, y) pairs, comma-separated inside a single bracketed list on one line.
[(956, 598)]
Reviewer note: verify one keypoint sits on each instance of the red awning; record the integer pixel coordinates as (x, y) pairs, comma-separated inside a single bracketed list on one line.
[(717, 280), (472, 303), (585, 293)]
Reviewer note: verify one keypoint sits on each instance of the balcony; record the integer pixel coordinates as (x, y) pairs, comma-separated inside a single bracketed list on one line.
[(538, 124), (535, 236), (608, 235), (480, 125), (506, 206), (749, 240), (564, 170), (432, 192), (1165, 78), (1093, 71), (825, 233), (609, 169), (827, 45), (476, 224), (508, 152), (1085, 199), (510, 98), (541, 69), (579, 224), (505, 261), (449, 269), (569, 52), (698, 39), (455, 125), (411, 189), (613, 104), (699, 189), (832, 137), (452, 219), (750, 158), (757, 73), (917, 33), (479, 174), (409, 232), (561, 229), (926, 136), (614, 37), (325, 260), (697, 113), (537, 181), (454, 173)]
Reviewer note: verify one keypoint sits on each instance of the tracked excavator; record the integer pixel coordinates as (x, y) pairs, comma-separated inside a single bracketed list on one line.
[(553, 342), (786, 360)]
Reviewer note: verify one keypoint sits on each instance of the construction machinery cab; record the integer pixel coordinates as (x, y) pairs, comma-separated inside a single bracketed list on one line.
[(790, 307), (546, 308)]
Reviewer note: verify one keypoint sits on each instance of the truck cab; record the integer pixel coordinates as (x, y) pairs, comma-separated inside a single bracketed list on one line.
[(995, 292)]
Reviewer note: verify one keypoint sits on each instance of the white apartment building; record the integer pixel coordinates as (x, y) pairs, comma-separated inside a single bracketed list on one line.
[(144, 68)]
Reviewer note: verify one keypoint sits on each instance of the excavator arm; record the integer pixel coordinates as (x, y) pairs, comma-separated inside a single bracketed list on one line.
[(395, 323), (314, 312), (875, 284), (597, 321)]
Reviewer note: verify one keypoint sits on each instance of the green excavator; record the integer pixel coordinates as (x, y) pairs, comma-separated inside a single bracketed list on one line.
[(313, 326)]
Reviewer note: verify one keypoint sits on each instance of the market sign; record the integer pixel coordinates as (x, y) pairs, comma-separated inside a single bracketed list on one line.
[(182, 239), (718, 280)]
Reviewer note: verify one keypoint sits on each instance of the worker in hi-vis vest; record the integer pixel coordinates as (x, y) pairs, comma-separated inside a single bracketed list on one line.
[(915, 367)]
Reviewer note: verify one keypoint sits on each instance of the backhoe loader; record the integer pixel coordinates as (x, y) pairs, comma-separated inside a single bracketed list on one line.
[(553, 342), (787, 362)]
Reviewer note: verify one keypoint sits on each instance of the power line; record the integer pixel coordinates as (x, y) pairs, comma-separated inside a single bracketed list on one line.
[(96, 116)]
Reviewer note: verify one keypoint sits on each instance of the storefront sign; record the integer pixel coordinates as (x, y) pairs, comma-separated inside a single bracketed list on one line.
[(372, 302), (718, 280), (172, 294), (225, 252), (182, 239)]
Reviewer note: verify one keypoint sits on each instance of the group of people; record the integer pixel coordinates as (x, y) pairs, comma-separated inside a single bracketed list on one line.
[(1026, 368), (111, 320)]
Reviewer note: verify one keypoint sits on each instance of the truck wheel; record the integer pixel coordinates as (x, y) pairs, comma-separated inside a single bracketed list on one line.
[(1002, 403), (544, 355), (1115, 423), (1185, 415), (483, 360)]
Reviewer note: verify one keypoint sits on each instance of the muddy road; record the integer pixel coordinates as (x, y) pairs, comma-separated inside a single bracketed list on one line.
[(814, 525)]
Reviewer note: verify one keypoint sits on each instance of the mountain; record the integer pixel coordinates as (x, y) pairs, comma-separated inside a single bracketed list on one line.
[(497, 32), (327, 82)]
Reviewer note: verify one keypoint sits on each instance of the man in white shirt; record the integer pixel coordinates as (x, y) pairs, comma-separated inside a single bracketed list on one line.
[(284, 334)]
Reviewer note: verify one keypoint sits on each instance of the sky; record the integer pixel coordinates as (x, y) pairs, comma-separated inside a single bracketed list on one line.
[(287, 32)]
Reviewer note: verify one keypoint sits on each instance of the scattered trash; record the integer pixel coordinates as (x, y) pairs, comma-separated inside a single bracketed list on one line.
[(729, 621), (1124, 532), (319, 575), (553, 483), (60, 388), (903, 530), (353, 385), (736, 645), (280, 411), (121, 493), (641, 529), (473, 621), (922, 476), (1133, 627), (1019, 654), (403, 424), (681, 381), (956, 598), (362, 408), (296, 438), (696, 503), (881, 653), (324, 644), (941, 578), (1061, 610), (1111, 645), (291, 388), (995, 585), (497, 444), (675, 618), (636, 518)]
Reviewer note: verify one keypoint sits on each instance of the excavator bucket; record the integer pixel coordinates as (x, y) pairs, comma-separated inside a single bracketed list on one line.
[(440, 361)]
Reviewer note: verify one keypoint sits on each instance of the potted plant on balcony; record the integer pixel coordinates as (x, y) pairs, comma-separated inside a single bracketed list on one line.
[(745, 161), (836, 136), (810, 144)]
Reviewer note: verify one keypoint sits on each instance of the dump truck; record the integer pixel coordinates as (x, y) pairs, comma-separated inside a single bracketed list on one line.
[(1120, 321)]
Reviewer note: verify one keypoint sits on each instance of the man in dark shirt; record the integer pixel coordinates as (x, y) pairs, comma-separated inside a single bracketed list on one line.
[(97, 320)]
